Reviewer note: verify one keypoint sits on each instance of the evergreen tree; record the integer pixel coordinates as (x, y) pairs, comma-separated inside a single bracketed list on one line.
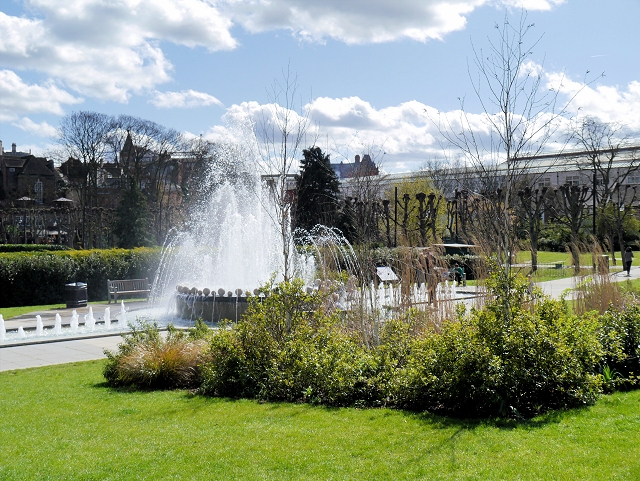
[(132, 219), (318, 189)]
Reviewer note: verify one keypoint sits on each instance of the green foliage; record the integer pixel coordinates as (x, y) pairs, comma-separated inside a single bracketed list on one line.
[(32, 247), (33, 278), (517, 357), (149, 360), (620, 338), (506, 359), (554, 237), (132, 219), (317, 191), (286, 348)]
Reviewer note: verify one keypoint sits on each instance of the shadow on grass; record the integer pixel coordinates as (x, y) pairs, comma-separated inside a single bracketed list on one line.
[(502, 423), (436, 421)]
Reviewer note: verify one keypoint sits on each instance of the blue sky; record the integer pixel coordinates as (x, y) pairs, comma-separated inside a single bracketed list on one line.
[(367, 69)]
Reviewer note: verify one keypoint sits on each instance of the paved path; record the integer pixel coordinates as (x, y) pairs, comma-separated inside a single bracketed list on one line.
[(59, 352), (46, 354), (556, 288)]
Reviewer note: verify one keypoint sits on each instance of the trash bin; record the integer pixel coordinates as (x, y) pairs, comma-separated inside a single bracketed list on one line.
[(75, 294)]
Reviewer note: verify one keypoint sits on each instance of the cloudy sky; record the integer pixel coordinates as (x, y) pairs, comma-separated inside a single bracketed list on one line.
[(369, 71)]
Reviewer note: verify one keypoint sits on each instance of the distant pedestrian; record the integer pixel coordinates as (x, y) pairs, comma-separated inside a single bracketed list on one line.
[(530, 285), (627, 258), (458, 273)]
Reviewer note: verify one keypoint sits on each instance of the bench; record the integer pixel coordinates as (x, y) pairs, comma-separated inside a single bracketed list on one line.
[(127, 287)]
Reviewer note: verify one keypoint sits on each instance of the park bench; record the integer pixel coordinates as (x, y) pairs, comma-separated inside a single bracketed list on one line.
[(126, 287)]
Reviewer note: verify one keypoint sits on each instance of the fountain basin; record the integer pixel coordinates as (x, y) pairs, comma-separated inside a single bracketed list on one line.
[(211, 308)]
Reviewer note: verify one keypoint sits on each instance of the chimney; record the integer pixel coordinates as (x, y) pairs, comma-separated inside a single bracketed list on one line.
[(13, 148), (357, 159), (1, 149)]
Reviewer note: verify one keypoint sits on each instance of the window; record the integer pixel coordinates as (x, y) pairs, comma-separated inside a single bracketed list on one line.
[(572, 180), (545, 182), (37, 190), (633, 178)]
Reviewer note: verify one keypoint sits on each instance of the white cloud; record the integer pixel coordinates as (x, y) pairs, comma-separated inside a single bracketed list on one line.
[(42, 129), (532, 4), (18, 97), (109, 49), (605, 102), (349, 126), (365, 21), (184, 99), (112, 49)]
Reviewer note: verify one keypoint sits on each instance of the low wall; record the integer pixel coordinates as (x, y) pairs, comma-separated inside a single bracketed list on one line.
[(212, 308)]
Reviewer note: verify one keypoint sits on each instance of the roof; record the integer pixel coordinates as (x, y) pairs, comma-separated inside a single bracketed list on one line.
[(37, 166)]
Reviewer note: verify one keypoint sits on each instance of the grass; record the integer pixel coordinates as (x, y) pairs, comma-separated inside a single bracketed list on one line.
[(546, 259), (9, 312), (63, 423)]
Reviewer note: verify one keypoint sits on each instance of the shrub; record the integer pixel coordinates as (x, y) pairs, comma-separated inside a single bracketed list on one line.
[(620, 337), (287, 348), (505, 359), (147, 359), (323, 366)]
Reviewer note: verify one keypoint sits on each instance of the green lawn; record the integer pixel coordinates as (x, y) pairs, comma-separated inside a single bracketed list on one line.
[(9, 312), (545, 257), (63, 423)]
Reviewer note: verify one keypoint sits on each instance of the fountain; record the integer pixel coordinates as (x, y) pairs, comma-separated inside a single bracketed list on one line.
[(39, 326), (57, 327), (231, 245), (89, 321), (74, 321), (122, 320), (58, 331)]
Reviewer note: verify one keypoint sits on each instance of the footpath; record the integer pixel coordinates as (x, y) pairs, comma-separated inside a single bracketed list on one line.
[(45, 353), (48, 351)]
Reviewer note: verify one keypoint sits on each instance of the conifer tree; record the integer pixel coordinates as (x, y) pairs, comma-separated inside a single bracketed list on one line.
[(317, 191), (132, 219)]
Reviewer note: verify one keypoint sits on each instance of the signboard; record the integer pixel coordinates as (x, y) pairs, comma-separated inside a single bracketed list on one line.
[(386, 274)]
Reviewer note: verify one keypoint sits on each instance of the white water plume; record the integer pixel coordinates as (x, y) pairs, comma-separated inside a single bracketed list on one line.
[(233, 238)]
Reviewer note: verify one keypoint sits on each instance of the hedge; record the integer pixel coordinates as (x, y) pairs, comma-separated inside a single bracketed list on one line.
[(36, 278), (33, 247)]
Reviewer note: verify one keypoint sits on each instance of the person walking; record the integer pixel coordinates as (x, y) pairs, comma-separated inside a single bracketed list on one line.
[(627, 258)]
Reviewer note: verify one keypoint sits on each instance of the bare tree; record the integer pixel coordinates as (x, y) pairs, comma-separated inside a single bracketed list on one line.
[(611, 161), (533, 203), (520, 115), (84, 136), (569, 207), (363, 192), (281, 133)]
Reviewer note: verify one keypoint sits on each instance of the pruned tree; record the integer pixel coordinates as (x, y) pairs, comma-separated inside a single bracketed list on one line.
[(414, 208), (611, 160), (569, 207), (533, 203)]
